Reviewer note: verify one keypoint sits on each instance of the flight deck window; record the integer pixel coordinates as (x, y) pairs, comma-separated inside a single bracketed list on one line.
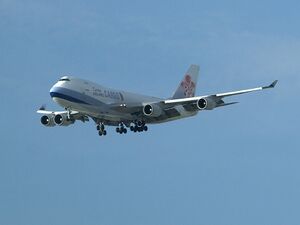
[(64, 79)]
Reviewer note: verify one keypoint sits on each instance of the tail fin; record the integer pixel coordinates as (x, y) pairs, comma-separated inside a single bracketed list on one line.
[(187, 86)]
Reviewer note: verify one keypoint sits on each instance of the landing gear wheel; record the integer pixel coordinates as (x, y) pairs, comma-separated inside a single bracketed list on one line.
[(102, 127), (145, 128), (121, 128)]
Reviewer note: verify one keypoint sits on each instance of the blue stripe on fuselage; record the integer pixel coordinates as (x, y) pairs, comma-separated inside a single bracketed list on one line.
[(66, 97), (74, 96)]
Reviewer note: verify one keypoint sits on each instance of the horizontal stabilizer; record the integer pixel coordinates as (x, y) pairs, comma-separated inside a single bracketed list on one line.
[(226, 104), (43, 107)]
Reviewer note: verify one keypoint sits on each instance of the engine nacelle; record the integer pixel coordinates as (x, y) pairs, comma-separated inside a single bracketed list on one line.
[(206, 104), (63, 120), (48, 120), (152, 110)]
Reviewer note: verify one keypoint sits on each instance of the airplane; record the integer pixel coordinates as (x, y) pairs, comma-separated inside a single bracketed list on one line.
[(84, 100)]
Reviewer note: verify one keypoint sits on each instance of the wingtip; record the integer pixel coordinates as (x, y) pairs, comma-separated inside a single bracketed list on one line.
[(272, 85)]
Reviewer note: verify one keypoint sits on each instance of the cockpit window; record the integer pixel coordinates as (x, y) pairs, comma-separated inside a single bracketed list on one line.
[(64, 79)]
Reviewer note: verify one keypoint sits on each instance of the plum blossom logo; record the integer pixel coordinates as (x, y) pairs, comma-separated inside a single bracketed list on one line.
[(188, 86)]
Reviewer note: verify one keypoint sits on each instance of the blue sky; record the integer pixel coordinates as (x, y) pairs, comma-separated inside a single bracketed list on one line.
[(231, 166)]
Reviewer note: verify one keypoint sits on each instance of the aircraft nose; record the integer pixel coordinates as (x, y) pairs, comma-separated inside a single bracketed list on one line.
[(53, 90)]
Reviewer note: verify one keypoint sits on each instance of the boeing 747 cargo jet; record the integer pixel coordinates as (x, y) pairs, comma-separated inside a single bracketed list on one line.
[(84, 100)]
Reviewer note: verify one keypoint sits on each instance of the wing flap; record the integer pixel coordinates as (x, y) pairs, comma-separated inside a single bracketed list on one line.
[(171, 112)]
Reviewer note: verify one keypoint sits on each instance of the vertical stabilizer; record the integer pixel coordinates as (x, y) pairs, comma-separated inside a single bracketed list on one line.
[(187, 86)]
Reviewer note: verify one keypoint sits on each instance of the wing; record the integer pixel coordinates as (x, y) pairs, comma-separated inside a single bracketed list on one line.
[(155, 111), (213, 101), (75, 115)]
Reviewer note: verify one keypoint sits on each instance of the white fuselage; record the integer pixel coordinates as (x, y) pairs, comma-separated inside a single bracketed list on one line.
[(99, 102)]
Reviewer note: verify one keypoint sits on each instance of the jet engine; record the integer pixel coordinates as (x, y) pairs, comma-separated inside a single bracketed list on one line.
[(152, 110), (206, 104), (63, 120), (48, 120)]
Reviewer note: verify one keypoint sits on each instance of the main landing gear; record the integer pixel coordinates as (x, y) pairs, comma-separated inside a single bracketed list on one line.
[(136, 126), (139, 126), (121, 129), (101, 129)]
